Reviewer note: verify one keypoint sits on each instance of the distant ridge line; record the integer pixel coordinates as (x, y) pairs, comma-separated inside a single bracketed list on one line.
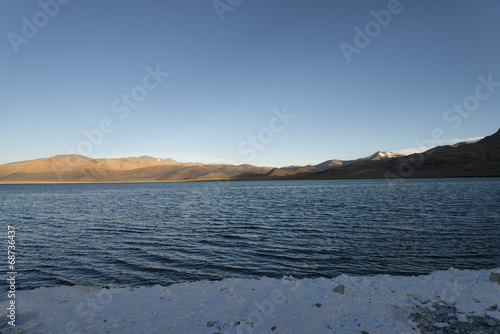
[(476, 159)]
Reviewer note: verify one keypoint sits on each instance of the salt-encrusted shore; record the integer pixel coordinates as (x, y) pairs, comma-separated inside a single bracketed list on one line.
[(452, 301)]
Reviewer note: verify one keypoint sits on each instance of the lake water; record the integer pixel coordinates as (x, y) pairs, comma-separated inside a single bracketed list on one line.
[(140, 234)]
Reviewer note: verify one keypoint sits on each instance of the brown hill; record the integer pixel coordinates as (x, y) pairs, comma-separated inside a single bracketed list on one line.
[(76, 168), (330, 164), (64, 163)]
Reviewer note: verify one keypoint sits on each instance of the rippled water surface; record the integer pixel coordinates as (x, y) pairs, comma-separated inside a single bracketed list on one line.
[(140, 234)]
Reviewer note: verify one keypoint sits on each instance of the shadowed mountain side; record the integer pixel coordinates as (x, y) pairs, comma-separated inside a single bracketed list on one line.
[(358, 170), (287, 171), (307, 169), (379, 155), (210, 172), (324, 169), (302, 169), (479, 159)]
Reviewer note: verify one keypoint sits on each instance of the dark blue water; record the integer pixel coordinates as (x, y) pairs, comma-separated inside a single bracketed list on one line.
[(163, 233)]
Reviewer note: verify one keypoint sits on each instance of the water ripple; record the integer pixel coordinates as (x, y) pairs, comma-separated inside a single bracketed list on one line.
[(164, 233)]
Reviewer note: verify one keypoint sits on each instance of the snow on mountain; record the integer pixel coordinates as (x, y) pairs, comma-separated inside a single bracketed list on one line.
[(381, 155)]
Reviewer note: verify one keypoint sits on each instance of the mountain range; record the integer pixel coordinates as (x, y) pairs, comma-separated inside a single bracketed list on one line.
[(476, 159)]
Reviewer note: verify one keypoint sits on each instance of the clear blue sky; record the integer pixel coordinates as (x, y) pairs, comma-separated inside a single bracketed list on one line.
[(227, 76)]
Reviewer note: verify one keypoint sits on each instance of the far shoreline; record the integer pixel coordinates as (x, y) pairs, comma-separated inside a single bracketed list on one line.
[(241, 180)]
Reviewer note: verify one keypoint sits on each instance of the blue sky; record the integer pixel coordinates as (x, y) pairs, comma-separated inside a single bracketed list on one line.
[(228, 78)]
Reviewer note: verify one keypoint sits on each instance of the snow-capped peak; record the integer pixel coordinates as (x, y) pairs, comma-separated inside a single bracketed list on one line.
[(381, 155)]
